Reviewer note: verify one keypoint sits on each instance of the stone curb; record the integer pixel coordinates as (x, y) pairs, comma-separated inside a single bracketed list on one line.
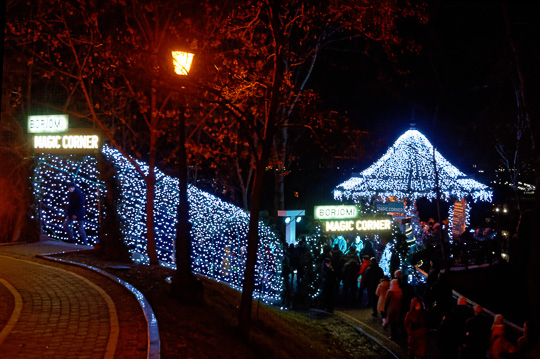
[(359, 330), (152, 324)]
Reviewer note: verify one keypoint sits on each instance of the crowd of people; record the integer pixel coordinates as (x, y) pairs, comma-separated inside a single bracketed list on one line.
[(473, 247), (459, 330)]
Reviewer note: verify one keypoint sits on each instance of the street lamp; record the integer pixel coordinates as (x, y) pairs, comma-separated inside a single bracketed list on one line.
[(182, 62), (184, 284)]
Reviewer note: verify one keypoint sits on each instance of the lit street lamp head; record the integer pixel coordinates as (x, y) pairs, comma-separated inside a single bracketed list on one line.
[(182, 62)]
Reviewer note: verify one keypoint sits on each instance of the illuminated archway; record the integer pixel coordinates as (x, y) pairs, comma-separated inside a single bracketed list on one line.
[(219, 232)]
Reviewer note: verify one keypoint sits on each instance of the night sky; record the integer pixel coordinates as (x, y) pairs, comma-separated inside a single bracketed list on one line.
[(452, 86), (458, 90)]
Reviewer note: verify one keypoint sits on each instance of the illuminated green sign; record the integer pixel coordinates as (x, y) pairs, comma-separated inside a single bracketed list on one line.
[(48, 123), (336, 212)]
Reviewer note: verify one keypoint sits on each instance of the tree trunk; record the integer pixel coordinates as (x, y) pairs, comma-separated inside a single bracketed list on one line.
[(281, 159), (150, 181), (244, 316), (183, 227), (244, 184), (279, 189), (185, 286), (244, 319)]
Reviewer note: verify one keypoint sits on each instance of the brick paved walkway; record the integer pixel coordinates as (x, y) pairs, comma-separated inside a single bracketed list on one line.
[(47, 311), (56, 314)]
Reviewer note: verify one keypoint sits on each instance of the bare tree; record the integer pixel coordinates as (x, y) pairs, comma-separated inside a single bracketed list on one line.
[(269, 49)]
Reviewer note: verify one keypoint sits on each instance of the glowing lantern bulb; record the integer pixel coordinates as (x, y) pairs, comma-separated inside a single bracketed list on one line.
[(182, 62)]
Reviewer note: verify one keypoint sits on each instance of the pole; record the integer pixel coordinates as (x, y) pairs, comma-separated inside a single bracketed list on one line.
[(438, 198), (185, 285)]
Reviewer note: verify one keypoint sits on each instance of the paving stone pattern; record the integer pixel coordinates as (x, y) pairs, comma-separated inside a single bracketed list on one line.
[(65, 311), (61, 316)]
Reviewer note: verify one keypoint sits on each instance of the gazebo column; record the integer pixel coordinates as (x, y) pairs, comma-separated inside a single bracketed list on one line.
[(412, 211)]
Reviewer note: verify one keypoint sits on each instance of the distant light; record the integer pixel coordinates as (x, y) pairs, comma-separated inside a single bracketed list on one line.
[(298, 219), (287, 220), (182, 62)]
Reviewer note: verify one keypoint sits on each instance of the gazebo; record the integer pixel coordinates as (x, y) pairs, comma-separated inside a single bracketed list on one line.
[(412, 168)]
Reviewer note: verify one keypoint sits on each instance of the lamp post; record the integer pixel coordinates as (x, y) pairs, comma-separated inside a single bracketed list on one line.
[(184, 284)]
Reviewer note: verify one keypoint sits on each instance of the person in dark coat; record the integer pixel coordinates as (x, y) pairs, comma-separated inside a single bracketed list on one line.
[(460, 314), (371, 280), (337, 264), (407, 290), (286, 272), (75, 213), (526, 348), (367, 250), (301, 260), (433, 274), (441, 300), (477, 332), (350, 273), (328, 278), (452, 331), (416, 327)]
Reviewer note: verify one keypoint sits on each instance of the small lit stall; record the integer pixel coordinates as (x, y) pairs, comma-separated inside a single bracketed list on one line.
[(411, 169)]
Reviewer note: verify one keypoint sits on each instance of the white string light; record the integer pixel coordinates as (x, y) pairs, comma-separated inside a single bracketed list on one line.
[(407, 170), (219, 229)]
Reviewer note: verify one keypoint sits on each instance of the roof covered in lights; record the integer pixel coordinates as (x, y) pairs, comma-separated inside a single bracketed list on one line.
[(407, 170)]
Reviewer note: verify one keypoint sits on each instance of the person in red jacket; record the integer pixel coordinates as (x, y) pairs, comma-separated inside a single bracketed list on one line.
[(365, 264), (416, 327)]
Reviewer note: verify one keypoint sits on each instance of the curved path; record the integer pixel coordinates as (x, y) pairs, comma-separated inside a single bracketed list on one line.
[(56, 312), (60, 311)]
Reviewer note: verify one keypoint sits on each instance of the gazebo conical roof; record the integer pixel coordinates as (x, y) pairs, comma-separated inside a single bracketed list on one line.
[(407, 170)]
